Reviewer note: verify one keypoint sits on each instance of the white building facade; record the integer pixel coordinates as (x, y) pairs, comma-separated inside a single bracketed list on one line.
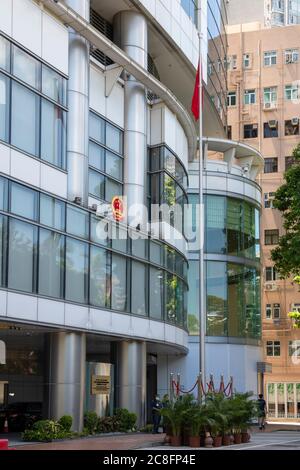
[(95, 100)]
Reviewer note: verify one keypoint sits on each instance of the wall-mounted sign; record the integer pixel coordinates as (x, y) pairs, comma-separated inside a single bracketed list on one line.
[(117, 205), (100, 384)]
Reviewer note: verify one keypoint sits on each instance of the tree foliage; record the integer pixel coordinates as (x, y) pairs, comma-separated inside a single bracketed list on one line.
[(286, 255)]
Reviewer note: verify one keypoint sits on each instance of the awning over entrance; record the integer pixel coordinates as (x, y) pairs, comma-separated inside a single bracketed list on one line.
[(2, 352)]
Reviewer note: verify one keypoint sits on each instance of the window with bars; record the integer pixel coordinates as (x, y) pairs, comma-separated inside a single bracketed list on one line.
[(271, 165), (271, 237), (273, 348)]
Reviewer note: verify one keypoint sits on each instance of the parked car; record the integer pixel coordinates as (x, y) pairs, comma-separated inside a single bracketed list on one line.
[(20, 416)]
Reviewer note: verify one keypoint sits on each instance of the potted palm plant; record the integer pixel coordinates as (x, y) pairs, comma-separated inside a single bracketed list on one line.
[(175, 415)]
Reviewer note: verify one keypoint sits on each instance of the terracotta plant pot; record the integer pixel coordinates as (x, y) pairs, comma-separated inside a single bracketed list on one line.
[(208, 441), (218, 441), (245, 437), (226, 440), (175, 441), (194, 441), (202, 441), (186, 438), (231, 439), (238, 438), (167, 439)]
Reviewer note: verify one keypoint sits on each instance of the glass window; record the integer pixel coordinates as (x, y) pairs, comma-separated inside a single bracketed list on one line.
[(270, 129), (52, 212), (246, 61), (23, 201), (99, 276), (139, 288), (170, 295), (292, 92), (294, 348), (216, 287), (113, 165), (97, 128), (51, 264), (77, 222), (249, 97), (3, 244), (3, 193), (273, 348), (156, 253), (100, 231), (112, 189), (22, 256), (235, 300), (270, 95), (272, 237), (234, 226), (118, 283), (193, 297), (76, 271), (291, 127), (96, 184), (114, 138), (268, 311), (291, 56), (231, 98), (53, 135), (156, 293), (4, 54), (26, 68), (270, 58), (271, 165), (250, 131), (96, 156), (271, 274), (139, 247), (119, 238), (53, 85), (251, 323), (289, 162), (215, 224), (25, 119), (4, 107)]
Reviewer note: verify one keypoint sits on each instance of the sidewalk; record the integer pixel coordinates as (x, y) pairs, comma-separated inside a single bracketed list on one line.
[(121, 442)]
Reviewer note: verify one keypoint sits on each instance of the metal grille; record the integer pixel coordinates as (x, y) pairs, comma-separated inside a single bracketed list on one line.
[(105, 28)]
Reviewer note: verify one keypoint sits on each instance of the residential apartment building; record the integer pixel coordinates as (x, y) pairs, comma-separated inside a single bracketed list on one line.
[(263, 100), (269, 13), (95, 112)]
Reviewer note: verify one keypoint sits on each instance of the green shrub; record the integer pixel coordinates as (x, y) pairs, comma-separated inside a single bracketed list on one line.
[(126, 420), (66, 422), (44, 431), (91, 421), (107, 424), (147, 429)]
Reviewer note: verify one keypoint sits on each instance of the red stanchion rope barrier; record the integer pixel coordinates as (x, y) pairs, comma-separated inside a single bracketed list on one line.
[(210, 388)]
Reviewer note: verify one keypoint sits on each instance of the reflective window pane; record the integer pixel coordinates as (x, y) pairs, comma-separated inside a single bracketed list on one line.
[(76, 271), (4, 107), (234, 226), (96, 156), (99, 276), (114, 138), (53, 135), (139, 288), (51, 264), (97, 128), (25, 119), (156, 293), (22, 256), (96, 184), (26, 68), (112, 189), (3, 244), (193, 298), (118, 283), (119, 238), (53, 85), (3, 193), (52, 212), (156, 253), (236, 317), (100, 231), (215, 240), (216, 288), (113, 165), (77, 222), (4, 54), (23, 201), (139, 247)]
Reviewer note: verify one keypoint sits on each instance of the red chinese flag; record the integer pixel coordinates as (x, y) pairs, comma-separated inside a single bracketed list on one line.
[(196, 101)]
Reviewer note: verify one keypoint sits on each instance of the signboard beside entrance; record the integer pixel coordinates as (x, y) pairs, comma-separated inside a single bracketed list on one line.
[(100, 384)]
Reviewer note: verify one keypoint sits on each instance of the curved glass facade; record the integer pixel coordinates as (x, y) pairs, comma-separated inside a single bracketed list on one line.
[(232, 284), (167, 185), (58, 250), (217, 55)]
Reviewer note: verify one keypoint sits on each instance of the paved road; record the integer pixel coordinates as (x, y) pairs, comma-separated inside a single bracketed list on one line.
[(278, 440)]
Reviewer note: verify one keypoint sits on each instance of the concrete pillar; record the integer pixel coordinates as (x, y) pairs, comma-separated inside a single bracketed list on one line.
[(65, 385), (131, 363), (131, 34), (78, 104)]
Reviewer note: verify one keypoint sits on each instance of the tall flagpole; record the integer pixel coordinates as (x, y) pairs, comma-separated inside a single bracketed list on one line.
[(202, 297)]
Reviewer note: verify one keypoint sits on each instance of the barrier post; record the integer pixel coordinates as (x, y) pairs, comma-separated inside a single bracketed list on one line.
[(199, 397), (178, 385), (171, 387)]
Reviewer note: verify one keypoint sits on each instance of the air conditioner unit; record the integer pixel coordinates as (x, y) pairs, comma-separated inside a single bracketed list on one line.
[(93, 207), (295, 121), (272, 124), (289, 59), (271, 287), (271, 196), (270, 105)]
